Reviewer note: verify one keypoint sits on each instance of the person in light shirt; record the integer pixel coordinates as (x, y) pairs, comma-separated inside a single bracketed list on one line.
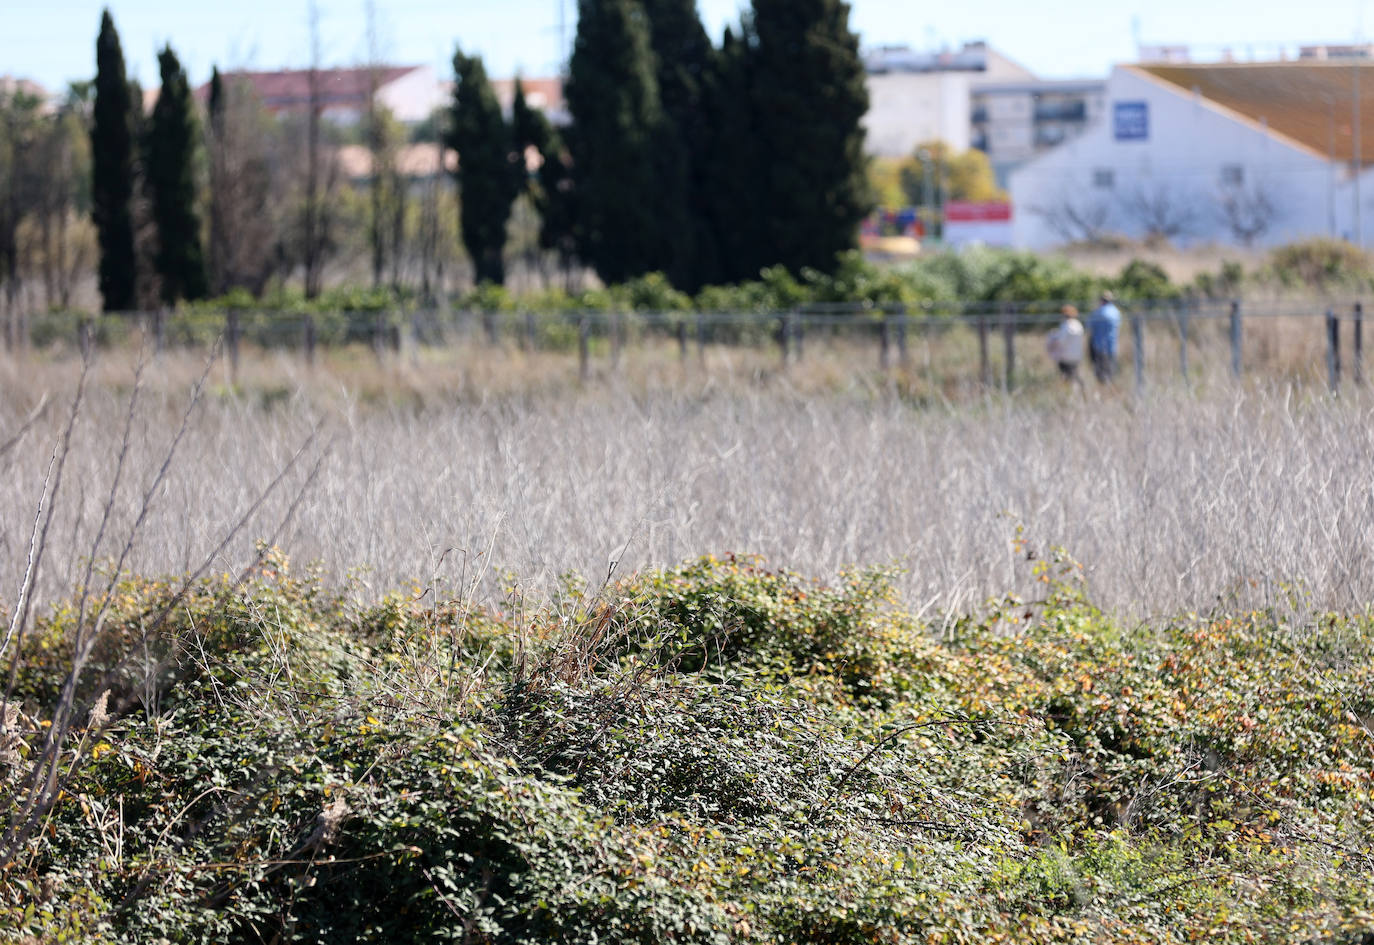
[(1065, 344)]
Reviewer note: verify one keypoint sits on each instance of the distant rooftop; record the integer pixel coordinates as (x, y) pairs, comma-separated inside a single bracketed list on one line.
[(290, 88), (1307, 100), (9, 85), (972, 57)]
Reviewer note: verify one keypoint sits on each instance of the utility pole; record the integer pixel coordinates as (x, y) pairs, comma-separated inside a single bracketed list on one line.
[(562, 36), (1356, 155)]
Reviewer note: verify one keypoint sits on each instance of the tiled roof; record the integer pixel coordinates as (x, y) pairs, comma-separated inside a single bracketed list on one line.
[(1308, 102), (290, 88)]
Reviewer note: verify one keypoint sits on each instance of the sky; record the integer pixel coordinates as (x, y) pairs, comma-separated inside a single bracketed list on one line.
[(53, 41)]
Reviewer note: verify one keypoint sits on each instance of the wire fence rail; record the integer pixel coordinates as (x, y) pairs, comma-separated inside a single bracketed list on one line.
[(1179, 333)]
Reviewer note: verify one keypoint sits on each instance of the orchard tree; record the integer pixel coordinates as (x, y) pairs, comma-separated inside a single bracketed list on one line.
[(169, 173), (112, 161), (489, 175)]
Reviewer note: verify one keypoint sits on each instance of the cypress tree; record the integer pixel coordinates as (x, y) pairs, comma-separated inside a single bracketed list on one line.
[(550, 188), (612, 94), (684, 62), (169, 168), (809, 99), (489, 177), (112, 160), (735, 175), (219, 239)]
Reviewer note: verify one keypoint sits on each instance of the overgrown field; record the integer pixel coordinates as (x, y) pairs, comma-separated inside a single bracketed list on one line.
[(449, 670), (1257, 496), (719, 752)]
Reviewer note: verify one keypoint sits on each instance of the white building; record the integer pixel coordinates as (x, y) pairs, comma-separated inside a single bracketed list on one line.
[(1243, 153), (916, 97), (1013, 122)]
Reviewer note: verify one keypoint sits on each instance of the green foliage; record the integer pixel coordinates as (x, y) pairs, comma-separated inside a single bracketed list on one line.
[(169, 158), (809, 97), (943, 175), (491, 167), (683, 59), (719, 752), (1321, 264), (112, 156), (735, 165), (615, 142), (1141, 279)]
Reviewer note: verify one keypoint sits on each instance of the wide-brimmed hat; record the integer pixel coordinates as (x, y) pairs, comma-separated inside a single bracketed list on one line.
[(1108, 295)]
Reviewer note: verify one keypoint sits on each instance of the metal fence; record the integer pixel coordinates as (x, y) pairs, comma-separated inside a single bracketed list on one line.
[(987, 344)]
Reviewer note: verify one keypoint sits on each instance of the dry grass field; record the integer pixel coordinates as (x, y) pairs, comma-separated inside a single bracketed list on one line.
[(504, 472)]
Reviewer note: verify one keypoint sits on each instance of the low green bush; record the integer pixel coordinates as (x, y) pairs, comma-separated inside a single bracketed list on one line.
[(718, 752)]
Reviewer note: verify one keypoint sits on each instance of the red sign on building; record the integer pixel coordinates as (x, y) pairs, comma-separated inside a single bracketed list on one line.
[(971, 211)]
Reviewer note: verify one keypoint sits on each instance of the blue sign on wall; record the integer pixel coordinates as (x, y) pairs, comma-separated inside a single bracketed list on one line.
[(1131, 121)]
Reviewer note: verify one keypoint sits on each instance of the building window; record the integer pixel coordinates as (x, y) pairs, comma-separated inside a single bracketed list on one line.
[(1232, 175), (1104, 178)]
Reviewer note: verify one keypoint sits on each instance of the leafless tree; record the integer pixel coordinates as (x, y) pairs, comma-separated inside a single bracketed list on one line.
[(1076, 218), (1248, 210), (318, 175), (1161, 211), (241, 140)]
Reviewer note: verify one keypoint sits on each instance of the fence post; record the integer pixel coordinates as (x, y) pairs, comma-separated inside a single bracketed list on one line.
[(1138, 350), (584, 355), (701, 339), (1235, 339), (903, 355), (682, 341), (615, 340), (529, 331), (231, 341), (85, 333), (379, 335), (1008, 348), (798, 334), (1183, 340), (984, 365), (784, 330), (308, 328), (885, 343), (489, 326), (159, 330), (1333, 350), (1357, 356)]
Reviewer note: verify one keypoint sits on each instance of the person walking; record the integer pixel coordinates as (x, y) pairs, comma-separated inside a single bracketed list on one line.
[(1065, 344), (1104, 325)]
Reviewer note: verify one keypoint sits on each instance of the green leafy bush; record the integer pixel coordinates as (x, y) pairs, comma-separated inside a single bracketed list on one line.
[(719, 752)]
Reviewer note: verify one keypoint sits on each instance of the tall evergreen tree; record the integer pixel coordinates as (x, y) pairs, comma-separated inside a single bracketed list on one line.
[(735, 173), (489, 175), (169, 171), (218, 148), (551, 187), (684, 62), (112, 179), (612, 94), (809, 99)]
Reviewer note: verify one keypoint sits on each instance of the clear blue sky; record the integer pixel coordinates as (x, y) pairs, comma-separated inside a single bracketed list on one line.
[(53, 41)]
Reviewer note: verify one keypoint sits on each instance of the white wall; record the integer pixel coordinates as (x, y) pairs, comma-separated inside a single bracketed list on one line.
[(909, 108), (414, 95), (1178, 172)]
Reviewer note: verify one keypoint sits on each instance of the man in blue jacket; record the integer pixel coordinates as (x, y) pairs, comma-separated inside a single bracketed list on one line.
[(1104, 325)]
